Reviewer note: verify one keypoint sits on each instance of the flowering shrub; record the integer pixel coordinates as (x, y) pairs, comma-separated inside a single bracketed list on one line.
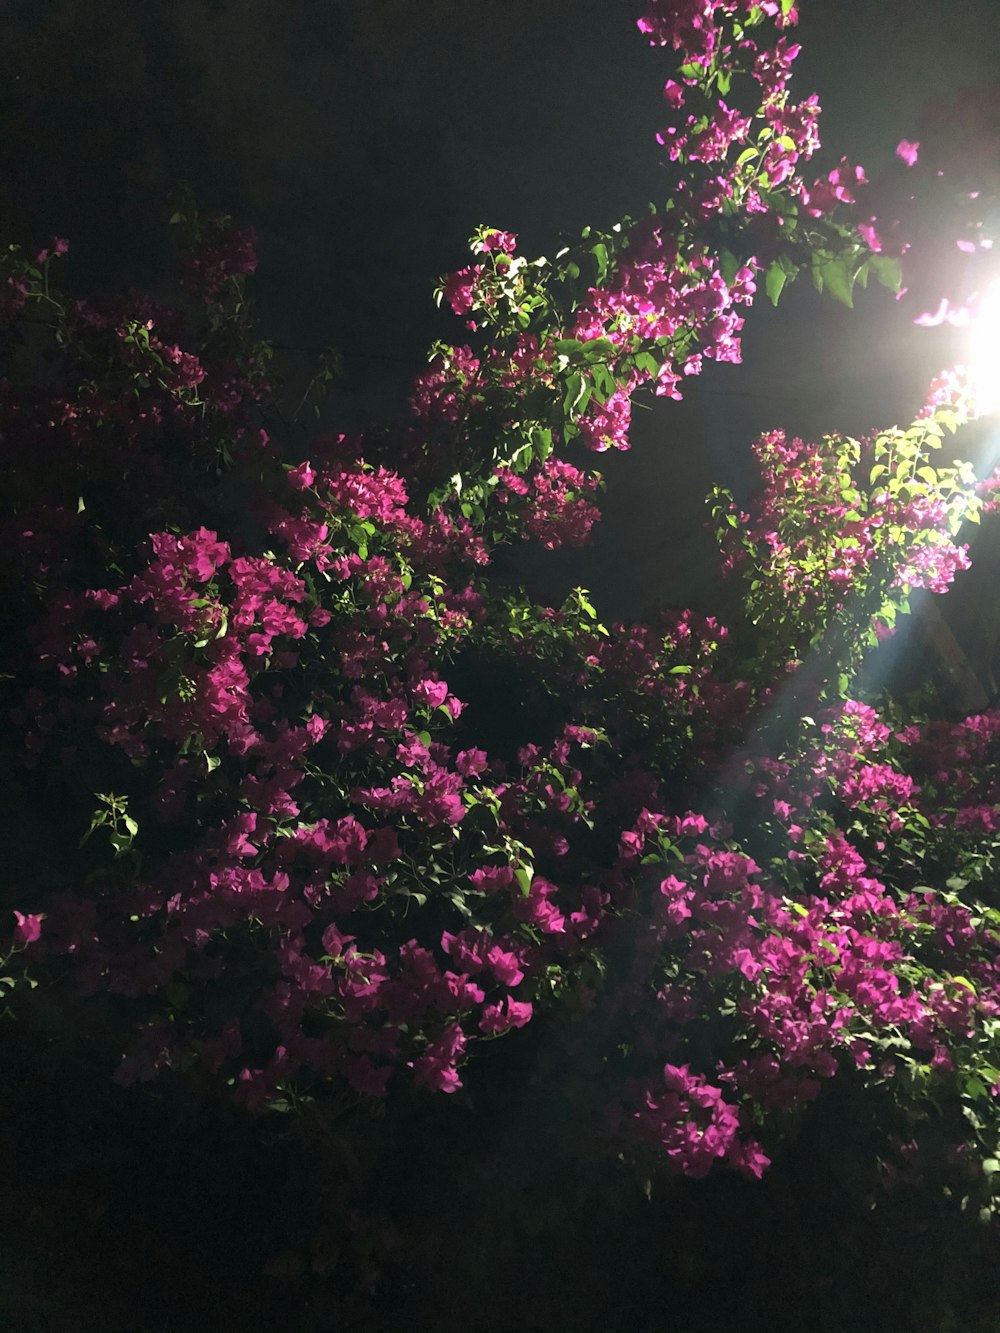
[(844, 531), (249, 690)]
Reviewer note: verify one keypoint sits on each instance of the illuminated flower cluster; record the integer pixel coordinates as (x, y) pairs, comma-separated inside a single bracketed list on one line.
[(316, 868)]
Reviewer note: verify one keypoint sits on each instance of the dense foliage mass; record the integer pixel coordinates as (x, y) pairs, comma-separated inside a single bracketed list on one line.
[(280, 836)]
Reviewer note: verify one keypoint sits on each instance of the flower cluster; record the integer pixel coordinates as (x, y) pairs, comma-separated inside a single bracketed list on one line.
[(273, 696), (845, 530)]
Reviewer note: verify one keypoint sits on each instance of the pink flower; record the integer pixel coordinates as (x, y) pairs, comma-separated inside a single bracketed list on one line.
[(430, 691), (302, 476), (334, 942), (838, 186), (514, 1014), (907, 151), (538, 909), (488, 879), (748, 1158), (28, 929), (504, 241), (870, 236), (436, 1068), (505, 966), (470, 762), (459, 288)]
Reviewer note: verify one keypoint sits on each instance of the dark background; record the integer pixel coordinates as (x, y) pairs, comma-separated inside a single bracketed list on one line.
[(364, 139)]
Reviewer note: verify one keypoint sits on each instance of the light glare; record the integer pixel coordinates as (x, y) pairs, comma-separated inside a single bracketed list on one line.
[(985, 353)]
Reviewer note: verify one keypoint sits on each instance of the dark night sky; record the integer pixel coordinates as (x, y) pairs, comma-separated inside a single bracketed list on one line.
[(366, 138)]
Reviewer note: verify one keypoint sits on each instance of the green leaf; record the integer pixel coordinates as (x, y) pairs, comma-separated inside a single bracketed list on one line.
[(524, 875), (542, 441), (975, 1088), (585, 604), (597, 349), (600, 253), (835, 277), (888, 271), (577, 395), (522, 457), (776, 279), (729, 265), (566, 346), (604, 383)]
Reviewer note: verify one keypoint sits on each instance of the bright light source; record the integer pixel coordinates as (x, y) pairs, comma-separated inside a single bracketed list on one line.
[(984, 366)]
